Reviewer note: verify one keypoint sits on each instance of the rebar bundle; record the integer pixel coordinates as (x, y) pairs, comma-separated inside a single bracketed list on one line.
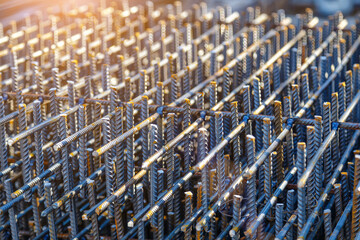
[(144, 122)]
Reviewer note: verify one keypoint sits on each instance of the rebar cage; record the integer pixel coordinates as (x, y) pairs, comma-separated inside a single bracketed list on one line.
[(121, 122)]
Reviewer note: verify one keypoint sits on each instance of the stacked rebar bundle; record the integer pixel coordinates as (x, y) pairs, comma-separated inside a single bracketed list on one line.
[(121, 122)]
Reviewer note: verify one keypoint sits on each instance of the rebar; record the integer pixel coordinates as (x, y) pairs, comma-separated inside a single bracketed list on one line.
[(172, 123)]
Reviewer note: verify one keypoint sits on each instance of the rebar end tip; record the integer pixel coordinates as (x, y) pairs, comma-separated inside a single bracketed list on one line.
[(199, 227), (43, 213), (95, 153), (10, 142), (56, 148)]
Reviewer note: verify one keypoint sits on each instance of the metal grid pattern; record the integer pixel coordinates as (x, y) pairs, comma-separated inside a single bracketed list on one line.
[(164, 123)]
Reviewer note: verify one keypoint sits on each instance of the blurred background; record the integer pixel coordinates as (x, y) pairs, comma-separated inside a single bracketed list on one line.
[(15, 9)]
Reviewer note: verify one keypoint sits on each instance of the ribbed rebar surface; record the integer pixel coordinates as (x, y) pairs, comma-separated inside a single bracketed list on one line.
[(158, 122)]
